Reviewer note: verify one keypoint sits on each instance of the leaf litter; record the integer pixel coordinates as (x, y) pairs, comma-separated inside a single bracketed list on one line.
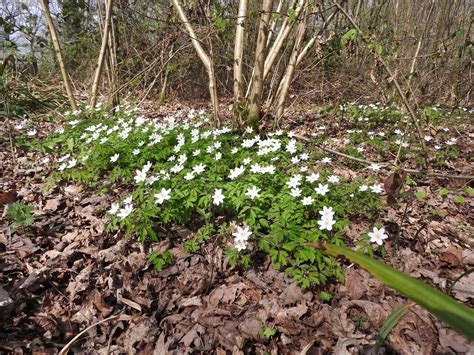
[(64, 273)]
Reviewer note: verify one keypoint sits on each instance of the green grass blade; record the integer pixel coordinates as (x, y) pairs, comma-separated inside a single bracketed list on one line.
[(391, 321), (447, 309)]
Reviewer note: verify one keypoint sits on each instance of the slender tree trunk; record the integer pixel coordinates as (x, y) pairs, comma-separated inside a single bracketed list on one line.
[(238, 53), (255, 97), (282, 92), (392, 77), (314, 39), (206, 60), (103, 50), (274, 23), (286, 27), (59, 53), (420, 40)]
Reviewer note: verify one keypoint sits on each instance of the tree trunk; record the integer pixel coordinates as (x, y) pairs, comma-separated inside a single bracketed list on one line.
[(282, 35), (238, 53), (103, 50), (290, 69), (59, 53), (255, 97), (204, 58)]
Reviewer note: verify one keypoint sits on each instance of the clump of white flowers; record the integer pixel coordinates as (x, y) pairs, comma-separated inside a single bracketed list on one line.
[(241, 236), (327, 219)]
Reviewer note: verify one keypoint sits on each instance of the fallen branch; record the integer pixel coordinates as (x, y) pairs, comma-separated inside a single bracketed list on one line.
[(368, 162), (73, 340)]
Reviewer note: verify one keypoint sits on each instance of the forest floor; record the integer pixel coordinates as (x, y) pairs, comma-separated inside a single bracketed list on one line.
[(64, 273)]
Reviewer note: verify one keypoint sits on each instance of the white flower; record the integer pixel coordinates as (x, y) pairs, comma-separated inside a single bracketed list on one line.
[(327, 213), (312, 178), (295, 160), (360, 149), (128, 200), (114, 207), (140, 176), (378, 235), (241, 236), (196, 152), (322, 189), (295, 192), (427, 138), (146, 168), (31, 133), (198, 169), (125, 212), (308, 200), (291, 146), (405, 144), (136, 151), (248, 130), (304, 169), (162, 196), (247, 161), (374, 167), (189, 176), (294, 182), (253, 192), (452, 141), (377, 188), (172, 158), (333, 179), (234, 150), (256, 168), (326, 160), (363, 188), (304, 156), (326, 223), (437, 147), (218, 197), (218, 156), (234, 173), (177, 168), (151, 180), (72, 163), (182, 159), (114, 157)]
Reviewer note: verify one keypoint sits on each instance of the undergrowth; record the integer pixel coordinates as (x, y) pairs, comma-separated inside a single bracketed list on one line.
[(250, 192)]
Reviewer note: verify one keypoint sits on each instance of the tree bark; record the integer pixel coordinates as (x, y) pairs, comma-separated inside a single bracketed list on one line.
[(103, 50), (238, 53), (282, 35), (206, 60), (59, 53), (282, 92), (255, 97)]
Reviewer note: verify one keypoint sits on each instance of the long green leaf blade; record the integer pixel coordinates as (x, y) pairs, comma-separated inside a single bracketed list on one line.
[(391, 321), (455, 314)]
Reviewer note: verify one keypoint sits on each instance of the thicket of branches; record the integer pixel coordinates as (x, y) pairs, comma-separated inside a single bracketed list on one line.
[(149, 51)]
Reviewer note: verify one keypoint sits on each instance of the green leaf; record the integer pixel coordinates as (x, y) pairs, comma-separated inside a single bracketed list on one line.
[(350, 35), (420, 195), (459, 199), (387, 326), (443, 192), (453, 313)]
